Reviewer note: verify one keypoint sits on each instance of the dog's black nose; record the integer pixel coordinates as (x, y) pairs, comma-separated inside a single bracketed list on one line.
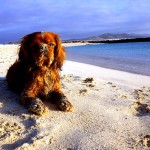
[(43, 47)]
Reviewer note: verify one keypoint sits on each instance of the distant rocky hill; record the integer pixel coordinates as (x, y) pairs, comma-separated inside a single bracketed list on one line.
[(109, 36)]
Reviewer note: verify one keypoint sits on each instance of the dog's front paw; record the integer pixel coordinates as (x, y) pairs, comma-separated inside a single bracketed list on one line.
[(65, 105), (36, 106)]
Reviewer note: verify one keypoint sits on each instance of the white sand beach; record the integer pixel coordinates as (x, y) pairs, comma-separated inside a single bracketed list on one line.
[(76, 44), (111, 111)]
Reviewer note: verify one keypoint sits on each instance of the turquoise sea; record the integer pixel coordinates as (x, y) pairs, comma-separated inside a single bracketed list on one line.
[(129, 57)]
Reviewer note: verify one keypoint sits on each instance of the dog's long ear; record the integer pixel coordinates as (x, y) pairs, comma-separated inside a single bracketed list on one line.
[(23, 55), (59, 54)]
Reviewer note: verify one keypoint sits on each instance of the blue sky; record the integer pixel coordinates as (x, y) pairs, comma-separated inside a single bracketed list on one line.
[(73, 18)]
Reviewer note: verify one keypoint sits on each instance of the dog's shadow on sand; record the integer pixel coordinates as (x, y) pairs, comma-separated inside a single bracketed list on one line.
[(10, 107)]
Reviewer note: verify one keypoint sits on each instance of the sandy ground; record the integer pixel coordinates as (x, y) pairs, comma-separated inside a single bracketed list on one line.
[(77, 44), (111, 111)]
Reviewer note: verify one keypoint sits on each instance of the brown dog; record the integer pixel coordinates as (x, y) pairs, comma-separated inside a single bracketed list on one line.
[(35, 75)]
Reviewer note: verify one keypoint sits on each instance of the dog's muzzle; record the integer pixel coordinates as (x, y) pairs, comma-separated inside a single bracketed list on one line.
[(43, 47)]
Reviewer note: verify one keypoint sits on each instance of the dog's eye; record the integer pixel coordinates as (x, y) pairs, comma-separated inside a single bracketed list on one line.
[(51, 44)]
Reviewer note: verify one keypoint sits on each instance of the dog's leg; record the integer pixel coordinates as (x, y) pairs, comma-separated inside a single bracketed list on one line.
[(34, 104), (61, 101)]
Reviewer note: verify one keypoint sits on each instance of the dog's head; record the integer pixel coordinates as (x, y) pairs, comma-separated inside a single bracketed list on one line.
[(42, 49)]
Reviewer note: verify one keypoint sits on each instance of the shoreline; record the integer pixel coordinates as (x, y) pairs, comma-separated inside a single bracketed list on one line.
[(109, 67), (82, 60), (121, 77), (78, 44), (111, 62)]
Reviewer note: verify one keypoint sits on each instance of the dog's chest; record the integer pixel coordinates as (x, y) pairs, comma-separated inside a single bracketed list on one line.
[(45, 82)]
